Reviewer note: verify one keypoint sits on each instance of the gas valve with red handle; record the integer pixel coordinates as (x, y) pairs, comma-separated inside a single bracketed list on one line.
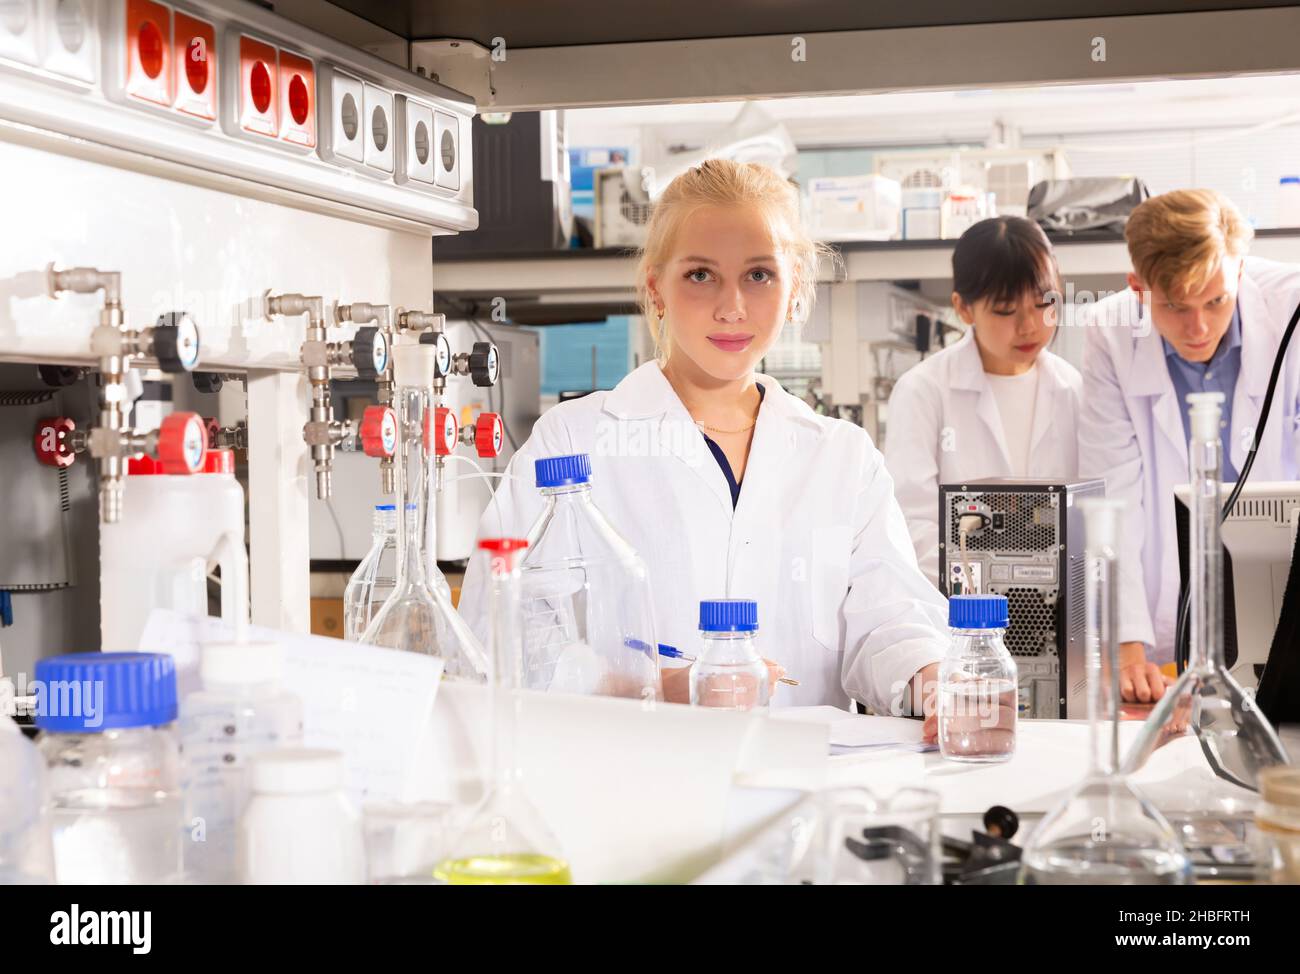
[(54, 441), (379, 431), (182, 443), (486, 436), (441, 431)]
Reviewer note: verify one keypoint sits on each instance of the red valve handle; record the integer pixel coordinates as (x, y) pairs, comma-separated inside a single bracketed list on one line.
[(379, 431), (182, 443), (211, 429), (441, 431), (53, 441), (489, 435)]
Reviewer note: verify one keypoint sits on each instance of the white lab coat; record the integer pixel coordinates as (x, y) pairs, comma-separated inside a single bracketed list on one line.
[(816, 538), (943, 427), (1132, 432)]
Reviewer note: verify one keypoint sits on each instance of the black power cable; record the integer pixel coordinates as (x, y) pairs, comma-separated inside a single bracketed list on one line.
[(1182, 649)]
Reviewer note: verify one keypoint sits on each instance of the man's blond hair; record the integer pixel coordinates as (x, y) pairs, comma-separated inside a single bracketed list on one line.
[(1178, 240)]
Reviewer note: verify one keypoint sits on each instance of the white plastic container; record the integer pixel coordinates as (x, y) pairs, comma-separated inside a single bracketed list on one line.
[(854, 207), (157, 555), (240, 712), (1288, 201), (300, 827), (26, 856), (962, 208)]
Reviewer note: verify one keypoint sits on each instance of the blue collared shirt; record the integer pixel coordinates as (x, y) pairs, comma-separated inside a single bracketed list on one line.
[(1219, 374)]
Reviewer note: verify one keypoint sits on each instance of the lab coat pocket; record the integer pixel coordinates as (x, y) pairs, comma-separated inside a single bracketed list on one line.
[(829, 584)]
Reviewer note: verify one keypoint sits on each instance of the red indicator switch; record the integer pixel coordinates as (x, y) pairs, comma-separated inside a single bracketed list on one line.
[(258, 88), (148, 62), (297, 100), (194, 54)]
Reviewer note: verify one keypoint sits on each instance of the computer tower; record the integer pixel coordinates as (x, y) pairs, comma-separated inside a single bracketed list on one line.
[(1029, 548)]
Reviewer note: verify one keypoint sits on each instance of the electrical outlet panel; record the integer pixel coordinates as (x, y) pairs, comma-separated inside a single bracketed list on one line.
[(415, 150), (20, 29), (446, 147), (342, 99), (70, 37), (378, 128)]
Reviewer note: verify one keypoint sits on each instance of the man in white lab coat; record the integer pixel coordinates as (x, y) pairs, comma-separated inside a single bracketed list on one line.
[(1198, 316)]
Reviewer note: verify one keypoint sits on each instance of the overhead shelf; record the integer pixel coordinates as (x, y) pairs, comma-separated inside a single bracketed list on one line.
[(590, 280)]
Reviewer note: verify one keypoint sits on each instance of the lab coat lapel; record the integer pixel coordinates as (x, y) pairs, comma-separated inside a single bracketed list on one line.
[(1049, 398), (646, 396), (1149, 376), (772, 450), (970, 376)]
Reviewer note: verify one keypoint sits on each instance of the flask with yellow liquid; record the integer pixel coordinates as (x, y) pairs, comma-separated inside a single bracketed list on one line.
[(506, 841)]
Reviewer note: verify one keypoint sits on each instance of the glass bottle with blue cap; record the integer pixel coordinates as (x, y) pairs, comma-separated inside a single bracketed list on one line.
[(588, 612), (729, 673), (376, 576), (109, 741), (26, 856), (978, 696)]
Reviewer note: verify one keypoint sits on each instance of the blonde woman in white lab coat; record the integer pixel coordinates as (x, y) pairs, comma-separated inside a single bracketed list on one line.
[(728, 486), (998, 403)]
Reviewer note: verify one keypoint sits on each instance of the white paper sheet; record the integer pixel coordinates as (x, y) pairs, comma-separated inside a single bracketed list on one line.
[(851, 731), (370, 703)]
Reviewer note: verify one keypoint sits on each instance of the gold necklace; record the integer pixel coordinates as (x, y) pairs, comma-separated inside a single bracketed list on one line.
[(714, 429)]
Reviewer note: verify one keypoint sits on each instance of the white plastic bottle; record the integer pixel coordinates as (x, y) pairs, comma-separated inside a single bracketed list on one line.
[(26, 856), (299, 827), (240, 713), (156, 556), (108, 736)]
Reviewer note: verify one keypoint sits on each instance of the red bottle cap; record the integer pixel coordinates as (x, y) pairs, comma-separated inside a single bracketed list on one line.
[(143, 467), (219, 461)]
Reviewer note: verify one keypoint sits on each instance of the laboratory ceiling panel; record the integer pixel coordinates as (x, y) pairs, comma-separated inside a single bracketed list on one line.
[(559, 23)]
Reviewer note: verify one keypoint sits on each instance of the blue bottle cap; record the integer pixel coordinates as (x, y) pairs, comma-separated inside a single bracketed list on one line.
[(729, 615), (94, 692), (385, 507), (562, 471), (977, 612)]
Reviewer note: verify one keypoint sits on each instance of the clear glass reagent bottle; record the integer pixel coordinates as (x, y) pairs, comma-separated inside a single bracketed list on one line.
[(729, 673), (978, 697)]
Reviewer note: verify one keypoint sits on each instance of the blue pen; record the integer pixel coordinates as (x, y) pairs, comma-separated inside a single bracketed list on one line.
[(672, 652)]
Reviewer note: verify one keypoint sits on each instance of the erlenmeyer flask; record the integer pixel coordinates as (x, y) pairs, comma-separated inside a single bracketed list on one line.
[(1106, 831), (418, 616), (506, 841), (1202, 747)]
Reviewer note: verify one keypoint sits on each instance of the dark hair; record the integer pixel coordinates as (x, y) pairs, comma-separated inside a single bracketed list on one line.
[(1001, 259)]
